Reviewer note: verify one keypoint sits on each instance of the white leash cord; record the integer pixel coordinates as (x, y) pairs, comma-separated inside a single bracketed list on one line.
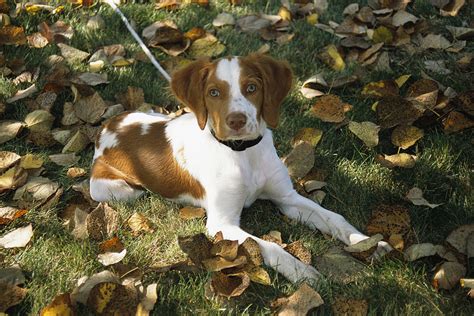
[(155, 63)]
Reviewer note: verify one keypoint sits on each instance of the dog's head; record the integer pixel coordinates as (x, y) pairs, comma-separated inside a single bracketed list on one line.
[(235, 95)]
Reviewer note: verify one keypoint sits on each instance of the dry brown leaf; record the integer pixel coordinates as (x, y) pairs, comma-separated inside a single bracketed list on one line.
[(11, 295), (7, 159), (251, 250), (58, 32), (9, 130), (330, 108), (434, 41), (139, 223), (189, 212), (339, 265), (312, 185), (448, 275), (308, 134), (461, 33), (208, 46), (90, 108), (300, 160), (331, 57), (452, 7), (298, 250), (351, 9), (223, 19), (9, 214), (401, 160), (368, 132), (458, 237), (12, 35), (64, 160), (39, 121), (76, 172), (92, 79), (275, 237), (311, 87), (17, 238), (346, 306), (230, 285), (423, 92), (405, 136), (13, 178), (218, 263), (370, 55), (299, 303), (415, 195), (397, 241), (36, 192), (389, 220), (393, 111), (132, 99), (350, 27), (30, 161), (226, 249), (21, 94), (456, 121), (37, 40), (109, 298), (76, 143), (109, 258), (61, 306), (102, 222), (252, 23), (365, 248), (417, 251), (71, 54), (197, 247), (380, 89)]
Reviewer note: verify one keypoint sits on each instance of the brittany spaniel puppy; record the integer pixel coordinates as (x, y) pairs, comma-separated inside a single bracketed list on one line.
[(221, 157)]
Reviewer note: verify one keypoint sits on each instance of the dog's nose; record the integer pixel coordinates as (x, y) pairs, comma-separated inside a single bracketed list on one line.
[(236, 120)]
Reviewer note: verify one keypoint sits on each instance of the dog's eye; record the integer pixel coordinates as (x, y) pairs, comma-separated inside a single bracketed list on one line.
[(251, 88), (214, 93)]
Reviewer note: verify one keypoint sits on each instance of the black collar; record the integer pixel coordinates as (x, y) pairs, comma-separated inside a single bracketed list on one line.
[(238, 145)]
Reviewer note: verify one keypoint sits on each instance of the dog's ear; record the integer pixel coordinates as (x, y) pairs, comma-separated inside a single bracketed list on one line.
[(188, 85), (277, 79)]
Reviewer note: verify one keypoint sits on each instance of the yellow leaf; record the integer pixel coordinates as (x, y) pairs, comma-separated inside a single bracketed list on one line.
[(30, 161), (259, 275), (332, 58), (405, 136), (284, 13), (309, 135), (382, 35), (312, 18), (61, 305), (401, 80), (368, 132)]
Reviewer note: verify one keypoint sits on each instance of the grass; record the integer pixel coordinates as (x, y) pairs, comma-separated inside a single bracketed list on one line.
[(54, 260)]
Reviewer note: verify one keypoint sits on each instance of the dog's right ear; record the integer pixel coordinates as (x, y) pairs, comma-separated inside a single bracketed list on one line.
[(188, 84)]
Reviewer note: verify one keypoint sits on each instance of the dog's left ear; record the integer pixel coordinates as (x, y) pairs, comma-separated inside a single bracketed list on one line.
[(277, 79)]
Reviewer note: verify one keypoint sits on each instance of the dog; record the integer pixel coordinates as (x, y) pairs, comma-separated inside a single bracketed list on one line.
[(220, 157)]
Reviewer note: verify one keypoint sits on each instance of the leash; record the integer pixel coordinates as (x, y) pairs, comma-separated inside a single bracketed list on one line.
[(145, 49)]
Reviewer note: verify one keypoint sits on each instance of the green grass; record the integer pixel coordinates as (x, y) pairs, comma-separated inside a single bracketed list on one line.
[(54, 260)]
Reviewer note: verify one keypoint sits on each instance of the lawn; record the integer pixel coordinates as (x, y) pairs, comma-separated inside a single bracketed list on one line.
[(54, 260)]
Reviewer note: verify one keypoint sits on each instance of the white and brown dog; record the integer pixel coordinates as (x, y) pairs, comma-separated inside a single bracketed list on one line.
[(221, 158)]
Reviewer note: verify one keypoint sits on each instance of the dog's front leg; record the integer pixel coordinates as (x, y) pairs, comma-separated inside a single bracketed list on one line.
[(224, 216), (280, 190)]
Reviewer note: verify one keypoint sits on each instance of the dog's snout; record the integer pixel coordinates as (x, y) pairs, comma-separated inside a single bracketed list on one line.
[(236, 120)]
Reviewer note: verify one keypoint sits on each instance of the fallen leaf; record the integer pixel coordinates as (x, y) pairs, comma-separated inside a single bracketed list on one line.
[(402, 17), (9, 130), (299, 303), (148, 301), (423, 92), (71, 54), (21, 94), (452, 8), (402, 160), (418, 251), (76, 143), (78, 224), (251, 250), (259, 275), (252, 23), (17, 238), (298, 250), (132, 99), (9, 214), (415, 195), (8, 159), (13, 178), (389, 220), (93, 79), (39, 121), (382, 35), (368, 132), (346, 306), (401, 80), (110, 298), (11, 295), (311, 87), (35, 192), (405, 136), (76, 172), (393, 111), (437, 66), (191, 212), (434, 41), (456, 121), (61, 305), (275, 237), (351, 9), (330, 108), (30, 161), (208, 46), (102, 222), (229, 285), (223, 19), (91, 108), (312, 185), (219, 263), (365, 248), (339, 265), (226, 249), (308, 134), (448, 275), (110, 258), (300, 160), (458, 237), (379, 89), (12, 35), (461, 33), (85, 284), (139, 223), (64, 160), (331, 57), (312, 18), (197, 247), (37, 40), (12, 275), (397, 242)]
